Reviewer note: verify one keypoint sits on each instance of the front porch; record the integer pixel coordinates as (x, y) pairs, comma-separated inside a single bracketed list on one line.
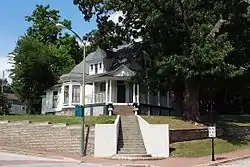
[(109, 91)]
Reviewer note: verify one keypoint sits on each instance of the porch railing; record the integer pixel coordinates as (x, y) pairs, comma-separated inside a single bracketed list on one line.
[(99, 98)]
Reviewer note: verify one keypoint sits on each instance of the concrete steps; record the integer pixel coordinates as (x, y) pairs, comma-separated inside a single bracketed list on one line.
[(123, 110), (130, 141)]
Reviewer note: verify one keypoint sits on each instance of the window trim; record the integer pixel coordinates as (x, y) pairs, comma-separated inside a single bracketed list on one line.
[(76, 94), (64, 97), (55, 99), (96, 68)]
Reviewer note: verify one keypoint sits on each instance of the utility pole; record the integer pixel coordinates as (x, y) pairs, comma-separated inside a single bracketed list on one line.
[(2, 93)]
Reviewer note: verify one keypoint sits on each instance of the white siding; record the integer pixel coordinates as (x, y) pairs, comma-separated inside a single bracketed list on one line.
[(17, 109)]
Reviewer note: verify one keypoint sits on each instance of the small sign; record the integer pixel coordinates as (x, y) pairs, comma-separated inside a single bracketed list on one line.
[(211, 131)]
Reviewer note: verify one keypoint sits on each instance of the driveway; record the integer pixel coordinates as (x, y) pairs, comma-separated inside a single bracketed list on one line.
[(17, 160)]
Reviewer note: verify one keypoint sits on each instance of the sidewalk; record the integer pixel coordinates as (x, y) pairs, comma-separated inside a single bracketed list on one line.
[(170, 162)]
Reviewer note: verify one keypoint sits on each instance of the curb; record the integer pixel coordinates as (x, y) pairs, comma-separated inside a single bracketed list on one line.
[(223, 161), (42, 155)]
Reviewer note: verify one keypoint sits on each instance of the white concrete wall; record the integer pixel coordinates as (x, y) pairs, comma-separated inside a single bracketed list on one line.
[(106, 137), (155, 137)]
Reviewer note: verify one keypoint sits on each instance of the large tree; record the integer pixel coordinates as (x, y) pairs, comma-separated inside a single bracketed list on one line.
[(42, 55), (193, 43), (4, 104), (43, 22)]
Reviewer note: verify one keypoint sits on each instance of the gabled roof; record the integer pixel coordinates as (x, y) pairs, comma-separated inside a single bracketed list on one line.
[(96, 55), (122, 57)]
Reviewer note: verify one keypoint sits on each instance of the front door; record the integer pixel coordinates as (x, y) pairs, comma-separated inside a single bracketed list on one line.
[(121, 92)]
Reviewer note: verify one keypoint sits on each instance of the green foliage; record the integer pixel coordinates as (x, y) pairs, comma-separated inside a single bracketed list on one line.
[(42, 55), (192, 44), (37, 67), (7, 88), (4, 104), (43, 27)]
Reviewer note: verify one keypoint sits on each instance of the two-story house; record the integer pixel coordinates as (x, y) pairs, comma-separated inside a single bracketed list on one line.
[(105, 82)]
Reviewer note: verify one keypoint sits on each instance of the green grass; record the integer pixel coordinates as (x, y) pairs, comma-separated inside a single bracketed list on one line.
[(174, 122), (234, 120), (200, 148), (91, 120)]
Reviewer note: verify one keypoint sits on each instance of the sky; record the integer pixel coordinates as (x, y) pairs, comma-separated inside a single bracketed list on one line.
[(13, 25)]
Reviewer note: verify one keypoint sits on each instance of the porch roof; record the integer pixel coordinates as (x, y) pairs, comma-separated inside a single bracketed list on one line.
[(93, 78), (111, 75)]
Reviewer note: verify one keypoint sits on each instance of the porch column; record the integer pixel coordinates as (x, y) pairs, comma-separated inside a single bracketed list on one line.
[(159, 100), (81, 87), (134, 93), (159, 97), (106, 91), (62, 94), (93, 93), (138, 94), (148, 100), (110, 90), (168, 99), (70, 94)]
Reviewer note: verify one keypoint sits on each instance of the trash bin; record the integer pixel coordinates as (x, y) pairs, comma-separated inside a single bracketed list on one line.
[(78, 111)]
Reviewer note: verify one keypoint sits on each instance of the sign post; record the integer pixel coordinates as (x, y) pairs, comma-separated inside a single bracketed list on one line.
[(212, 135)]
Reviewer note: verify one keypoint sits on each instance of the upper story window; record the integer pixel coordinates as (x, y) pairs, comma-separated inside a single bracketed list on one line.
[(96, 68), (100, 65), (91, 67)]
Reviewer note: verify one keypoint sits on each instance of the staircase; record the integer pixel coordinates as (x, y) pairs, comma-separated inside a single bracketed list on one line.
[(130, 141), (123, 110)]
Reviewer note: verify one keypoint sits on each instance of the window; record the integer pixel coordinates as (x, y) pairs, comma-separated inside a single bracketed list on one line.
[(66, 94), (102, 87), (76, 94), (96, 68), (100, 65), (55, 97), (91, 67)]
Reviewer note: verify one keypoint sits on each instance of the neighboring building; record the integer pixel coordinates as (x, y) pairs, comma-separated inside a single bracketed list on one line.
[(16, 106), (106, 73)]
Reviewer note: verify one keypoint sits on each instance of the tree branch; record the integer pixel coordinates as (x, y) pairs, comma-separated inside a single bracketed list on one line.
[(184, 15), (217, 27)]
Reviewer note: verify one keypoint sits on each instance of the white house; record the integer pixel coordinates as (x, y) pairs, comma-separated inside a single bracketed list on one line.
[(106, 73)]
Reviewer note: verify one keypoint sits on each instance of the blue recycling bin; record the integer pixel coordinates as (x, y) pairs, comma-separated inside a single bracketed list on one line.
[(78, 111)]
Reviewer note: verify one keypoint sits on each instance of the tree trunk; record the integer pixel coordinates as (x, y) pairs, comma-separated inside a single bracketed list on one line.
[(178, 102), (191, 101)]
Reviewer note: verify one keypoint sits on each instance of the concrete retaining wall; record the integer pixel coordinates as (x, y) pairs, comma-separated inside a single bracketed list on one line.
[(46, 137), (197, 134)]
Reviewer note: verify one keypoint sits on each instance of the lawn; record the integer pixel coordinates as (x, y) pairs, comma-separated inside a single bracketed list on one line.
[(174, 122), (200, 148), (234, 120), (61, 119)]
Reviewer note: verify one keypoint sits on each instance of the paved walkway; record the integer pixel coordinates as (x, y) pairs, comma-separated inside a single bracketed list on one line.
[(171, 162)]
